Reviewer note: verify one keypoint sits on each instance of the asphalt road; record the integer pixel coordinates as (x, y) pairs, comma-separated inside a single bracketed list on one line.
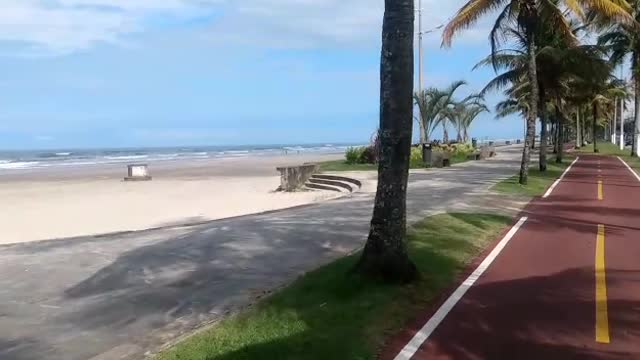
[(119, 296)]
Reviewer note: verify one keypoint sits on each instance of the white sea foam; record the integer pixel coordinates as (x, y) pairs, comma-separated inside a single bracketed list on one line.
[(126, 157), (18, 165)]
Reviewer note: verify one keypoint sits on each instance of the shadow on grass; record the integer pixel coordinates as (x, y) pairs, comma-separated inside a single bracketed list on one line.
[(538, 181), (328, 315)]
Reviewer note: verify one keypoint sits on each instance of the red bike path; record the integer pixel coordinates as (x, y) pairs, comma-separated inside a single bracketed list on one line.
[(542, 297)]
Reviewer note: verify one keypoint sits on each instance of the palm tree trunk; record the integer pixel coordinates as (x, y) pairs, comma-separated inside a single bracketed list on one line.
[(595, 123), (445, 133), (533, 109), (385, 253), (552, 135), (560, 119), (584, 130), (578, 130), (635, 146), (543, 136)]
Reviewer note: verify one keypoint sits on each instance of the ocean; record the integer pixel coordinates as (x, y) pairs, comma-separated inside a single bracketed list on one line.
[(11, 160)]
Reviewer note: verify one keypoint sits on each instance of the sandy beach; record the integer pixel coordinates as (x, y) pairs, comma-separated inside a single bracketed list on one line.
[(55, 203)]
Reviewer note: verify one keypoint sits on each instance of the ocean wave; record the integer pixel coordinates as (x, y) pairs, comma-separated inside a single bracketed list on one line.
[(18, 165), (168, 156), (126, 157), (188, 154), (56, 157)]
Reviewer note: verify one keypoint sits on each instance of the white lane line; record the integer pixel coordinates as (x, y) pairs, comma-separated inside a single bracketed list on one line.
[(630, 169), (421, 336), (546, 195)]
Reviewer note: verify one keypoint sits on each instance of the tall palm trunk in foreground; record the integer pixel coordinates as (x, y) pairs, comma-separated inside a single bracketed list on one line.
[(385, 254)]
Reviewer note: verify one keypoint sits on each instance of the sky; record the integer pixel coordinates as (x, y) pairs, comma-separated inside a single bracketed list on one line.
[(123, 73)]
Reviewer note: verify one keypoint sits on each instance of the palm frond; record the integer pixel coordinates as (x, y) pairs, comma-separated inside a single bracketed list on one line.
[(467, 16)]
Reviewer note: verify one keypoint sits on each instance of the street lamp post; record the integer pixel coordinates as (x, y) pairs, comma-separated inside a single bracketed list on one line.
[(420, 48)]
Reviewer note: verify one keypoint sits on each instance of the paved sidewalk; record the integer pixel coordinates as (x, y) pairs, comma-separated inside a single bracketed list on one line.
[(118, 296)]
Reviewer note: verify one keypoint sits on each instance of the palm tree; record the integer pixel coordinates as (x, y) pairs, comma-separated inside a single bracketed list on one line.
[(529, 15), (385, 253), (622, 40), (447, 103), (598, 91), (463, 113), (559, 63), (515, 65), (432, 103)]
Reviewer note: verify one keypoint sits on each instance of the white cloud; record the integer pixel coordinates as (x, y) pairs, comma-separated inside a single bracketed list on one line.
[(319, 23), (60, 26)]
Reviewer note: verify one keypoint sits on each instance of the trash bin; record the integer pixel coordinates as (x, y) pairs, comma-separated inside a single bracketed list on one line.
[(427, 154)]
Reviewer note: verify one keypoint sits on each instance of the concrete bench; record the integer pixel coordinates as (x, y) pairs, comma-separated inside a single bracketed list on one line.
[(137, 172), (487, 152), (440, 159), (293, 178)]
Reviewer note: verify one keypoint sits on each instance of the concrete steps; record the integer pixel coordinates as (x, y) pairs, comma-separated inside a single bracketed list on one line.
[(333, 183)]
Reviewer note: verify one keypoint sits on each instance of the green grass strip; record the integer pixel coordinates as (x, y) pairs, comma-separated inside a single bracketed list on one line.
[(341, 165), (607, 148), (328, 314), (538, 182)]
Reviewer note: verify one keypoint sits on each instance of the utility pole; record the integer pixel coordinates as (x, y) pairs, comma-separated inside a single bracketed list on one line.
[(420, 49)]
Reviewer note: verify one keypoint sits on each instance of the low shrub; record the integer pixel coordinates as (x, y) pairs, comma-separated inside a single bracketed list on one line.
[(361, 155), (369, 155), (461, 149), (416, 157), (352, 155)]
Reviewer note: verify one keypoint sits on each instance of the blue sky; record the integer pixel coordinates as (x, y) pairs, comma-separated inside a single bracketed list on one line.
[(98, 73)]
